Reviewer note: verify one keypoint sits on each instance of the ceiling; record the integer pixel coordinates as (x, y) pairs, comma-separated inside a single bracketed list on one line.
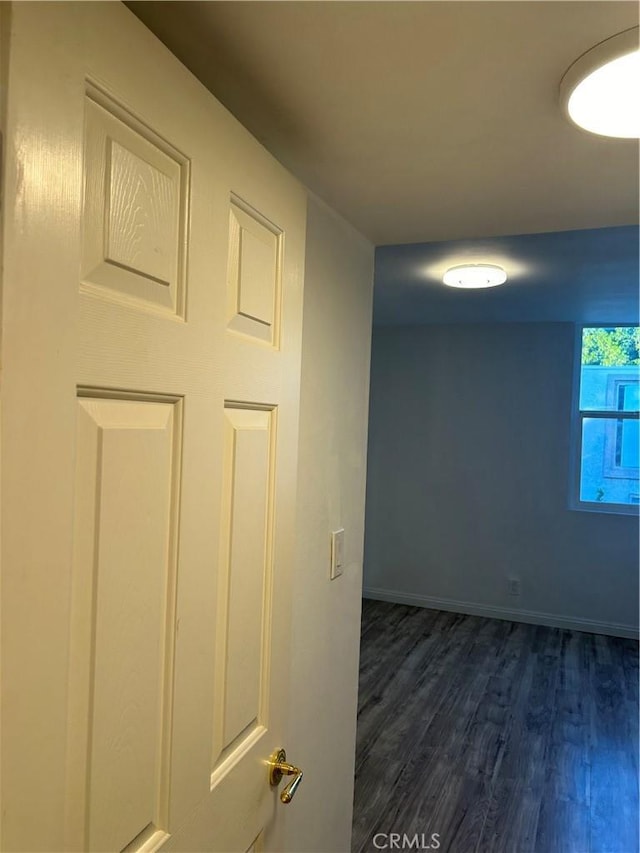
[(588, 276), (418, 121)]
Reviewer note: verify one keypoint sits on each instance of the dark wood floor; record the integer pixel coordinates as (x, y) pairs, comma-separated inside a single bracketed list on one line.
[(500, 737)]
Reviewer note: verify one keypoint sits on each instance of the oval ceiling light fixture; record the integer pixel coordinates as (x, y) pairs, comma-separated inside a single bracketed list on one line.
[(600, 92), (475, 276)]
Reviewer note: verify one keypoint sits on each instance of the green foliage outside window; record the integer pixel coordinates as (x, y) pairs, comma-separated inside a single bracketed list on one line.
[(611, 347)]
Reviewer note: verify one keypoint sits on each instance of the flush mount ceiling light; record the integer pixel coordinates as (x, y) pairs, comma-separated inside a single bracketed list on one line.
[(475, 275), (600, 92)]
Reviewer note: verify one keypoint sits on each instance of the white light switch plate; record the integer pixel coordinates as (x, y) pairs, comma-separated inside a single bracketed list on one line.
[(337, 553)]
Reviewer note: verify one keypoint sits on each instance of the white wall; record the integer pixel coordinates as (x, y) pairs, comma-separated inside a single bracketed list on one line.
[(468, 481), (331, 492)]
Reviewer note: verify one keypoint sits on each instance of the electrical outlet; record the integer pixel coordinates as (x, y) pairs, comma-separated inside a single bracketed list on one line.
[(514, 586)]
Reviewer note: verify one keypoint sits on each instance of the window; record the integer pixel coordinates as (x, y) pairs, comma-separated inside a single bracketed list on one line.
[(608, 439)]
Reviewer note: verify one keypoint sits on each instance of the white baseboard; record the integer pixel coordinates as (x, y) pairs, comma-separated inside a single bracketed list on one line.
[(531, 617)]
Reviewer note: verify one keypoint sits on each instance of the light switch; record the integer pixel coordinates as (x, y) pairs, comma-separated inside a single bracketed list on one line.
[(337, 553)]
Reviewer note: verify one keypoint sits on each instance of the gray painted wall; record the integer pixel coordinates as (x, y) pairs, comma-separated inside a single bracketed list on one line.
[(468, 478), (338, 296)]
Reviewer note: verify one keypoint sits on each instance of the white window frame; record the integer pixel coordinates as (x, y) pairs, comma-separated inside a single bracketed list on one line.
[(611, 469), (577, 417)]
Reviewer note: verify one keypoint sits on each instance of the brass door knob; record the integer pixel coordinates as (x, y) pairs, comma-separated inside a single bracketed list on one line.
[(278, 768)]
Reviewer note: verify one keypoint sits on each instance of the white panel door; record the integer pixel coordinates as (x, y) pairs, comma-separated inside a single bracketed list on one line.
[(152, 293)]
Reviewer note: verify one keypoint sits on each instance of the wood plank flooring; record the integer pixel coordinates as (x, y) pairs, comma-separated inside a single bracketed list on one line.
[(500, 737)]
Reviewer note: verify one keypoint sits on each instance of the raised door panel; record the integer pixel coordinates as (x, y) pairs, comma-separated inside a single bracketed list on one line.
[(136, 200), (240, 715), (124, 603), (257, 846), (253, 274)]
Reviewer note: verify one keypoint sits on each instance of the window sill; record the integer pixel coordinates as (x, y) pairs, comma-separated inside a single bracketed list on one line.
[(630, 510)]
